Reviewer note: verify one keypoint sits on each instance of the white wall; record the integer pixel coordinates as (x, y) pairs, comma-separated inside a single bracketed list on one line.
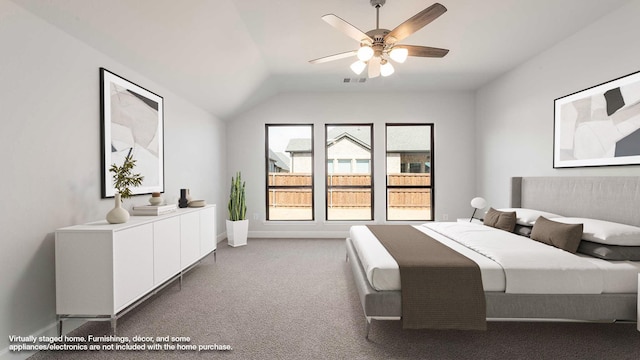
[(515, 112), (50, 146), (451, 112)]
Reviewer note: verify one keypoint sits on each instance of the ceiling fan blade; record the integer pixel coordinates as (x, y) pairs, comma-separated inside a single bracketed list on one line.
[(350, 30), (424, 51), (334, 57), (415, 23), (374, 67)]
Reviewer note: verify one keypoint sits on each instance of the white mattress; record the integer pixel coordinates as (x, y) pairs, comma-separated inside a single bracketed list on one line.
[(383, 272), (508, 262)]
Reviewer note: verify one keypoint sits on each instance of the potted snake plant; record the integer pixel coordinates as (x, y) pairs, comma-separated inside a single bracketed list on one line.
[(237, 225)]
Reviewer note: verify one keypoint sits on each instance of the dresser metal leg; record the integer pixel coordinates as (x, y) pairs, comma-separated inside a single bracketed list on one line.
[(638, 308), (368, 328)]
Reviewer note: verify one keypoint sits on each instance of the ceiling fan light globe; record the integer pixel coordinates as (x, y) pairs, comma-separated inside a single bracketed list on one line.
[(365, 53), (386, 69), (399, 55), (358, 67)]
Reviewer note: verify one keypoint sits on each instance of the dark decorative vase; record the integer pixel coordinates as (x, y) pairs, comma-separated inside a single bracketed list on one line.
[(183, 202)]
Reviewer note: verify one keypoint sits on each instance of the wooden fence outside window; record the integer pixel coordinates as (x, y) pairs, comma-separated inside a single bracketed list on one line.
[(349, 198)]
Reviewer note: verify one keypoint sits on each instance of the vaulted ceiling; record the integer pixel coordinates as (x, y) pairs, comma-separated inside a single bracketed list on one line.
[(225, 55)]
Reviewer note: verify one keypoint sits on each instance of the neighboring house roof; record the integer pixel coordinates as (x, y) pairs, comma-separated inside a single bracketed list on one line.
[(357, 134), (281, 160), (410, 138), (299, 145), (406, 138), (285, 161), (360, 137), (346, 135)]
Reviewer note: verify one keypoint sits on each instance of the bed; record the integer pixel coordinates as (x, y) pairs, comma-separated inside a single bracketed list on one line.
[(613, 296)]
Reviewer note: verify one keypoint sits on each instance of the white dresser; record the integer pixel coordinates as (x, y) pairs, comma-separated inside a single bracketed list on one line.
[(103, 270)]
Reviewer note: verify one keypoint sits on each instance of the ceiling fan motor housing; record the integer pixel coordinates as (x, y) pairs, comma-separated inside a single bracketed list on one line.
[(378, 34), (379, 46)]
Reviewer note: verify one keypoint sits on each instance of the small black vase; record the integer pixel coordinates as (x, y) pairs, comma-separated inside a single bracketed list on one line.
[(183, 202)]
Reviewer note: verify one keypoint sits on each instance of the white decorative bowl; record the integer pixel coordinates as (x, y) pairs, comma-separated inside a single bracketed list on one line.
[(197, 203)]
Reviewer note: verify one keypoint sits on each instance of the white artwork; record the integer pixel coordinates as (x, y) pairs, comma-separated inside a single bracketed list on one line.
[(599, 126), (132, 121)]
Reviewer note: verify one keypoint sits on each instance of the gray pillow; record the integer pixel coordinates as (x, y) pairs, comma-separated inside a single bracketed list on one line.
[(523, 230), (564, 236), (503, 220), (610, 252)]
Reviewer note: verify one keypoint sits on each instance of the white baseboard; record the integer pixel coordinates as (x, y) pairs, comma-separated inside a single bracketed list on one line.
[(50, 330), (343, 234), (293, 234)]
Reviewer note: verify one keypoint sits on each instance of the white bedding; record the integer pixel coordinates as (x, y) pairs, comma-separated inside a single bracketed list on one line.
[(383, 272), (508, 262)]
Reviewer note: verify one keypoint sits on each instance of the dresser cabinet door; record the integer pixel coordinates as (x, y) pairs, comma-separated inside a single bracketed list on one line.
[(132, 264), (166, 249), (207, 230), (189, 239)]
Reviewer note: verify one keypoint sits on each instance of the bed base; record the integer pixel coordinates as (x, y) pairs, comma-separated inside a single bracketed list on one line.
[(387, 305)]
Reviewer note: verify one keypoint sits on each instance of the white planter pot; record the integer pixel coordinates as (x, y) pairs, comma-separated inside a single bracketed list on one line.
[(237, 232)]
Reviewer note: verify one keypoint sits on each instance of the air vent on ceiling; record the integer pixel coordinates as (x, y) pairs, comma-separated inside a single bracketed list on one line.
[(354, 80)]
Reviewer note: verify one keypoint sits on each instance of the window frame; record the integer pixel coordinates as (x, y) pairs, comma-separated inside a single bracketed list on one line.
[(326, 172), (267, 168), (431, 185)]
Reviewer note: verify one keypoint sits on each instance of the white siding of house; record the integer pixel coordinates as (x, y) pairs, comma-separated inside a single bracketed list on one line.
[(301, 163), (347, 149), (393, 163)]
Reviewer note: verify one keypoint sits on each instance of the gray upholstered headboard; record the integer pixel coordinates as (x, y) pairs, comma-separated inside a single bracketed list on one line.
[(611, 198)]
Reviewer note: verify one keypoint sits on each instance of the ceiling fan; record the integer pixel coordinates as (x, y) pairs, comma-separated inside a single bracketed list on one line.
[(378, 46)]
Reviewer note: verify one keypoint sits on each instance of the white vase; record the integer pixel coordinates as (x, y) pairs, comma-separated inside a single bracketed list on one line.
[(118, 214), (156, 200), (237, 232)]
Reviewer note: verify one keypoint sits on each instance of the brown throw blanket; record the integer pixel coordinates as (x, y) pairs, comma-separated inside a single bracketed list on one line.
[(441, 288)]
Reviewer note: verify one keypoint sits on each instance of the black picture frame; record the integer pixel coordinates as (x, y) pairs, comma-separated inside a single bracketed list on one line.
[(132, 120), (598, 126)]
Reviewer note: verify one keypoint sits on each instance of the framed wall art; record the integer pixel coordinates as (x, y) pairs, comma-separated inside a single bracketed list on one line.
[(599, 126), (132, 120)]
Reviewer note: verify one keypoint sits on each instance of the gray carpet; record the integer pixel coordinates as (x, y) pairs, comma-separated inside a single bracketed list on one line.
[(295, 299)]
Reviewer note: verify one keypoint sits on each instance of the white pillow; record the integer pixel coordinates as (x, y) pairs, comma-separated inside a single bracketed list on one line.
[(528, 217), (606, 232)]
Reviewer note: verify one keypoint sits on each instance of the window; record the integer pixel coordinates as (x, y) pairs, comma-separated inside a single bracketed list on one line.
[(416, 168), (349, 183), (343, 166), (363, 166), (330, 167), (409, 171), (289, 164)]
